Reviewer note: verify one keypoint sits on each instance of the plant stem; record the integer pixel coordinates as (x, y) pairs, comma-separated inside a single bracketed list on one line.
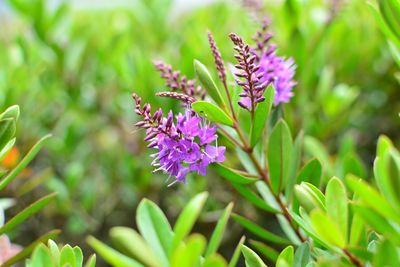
[(353, 258), (264, 174)]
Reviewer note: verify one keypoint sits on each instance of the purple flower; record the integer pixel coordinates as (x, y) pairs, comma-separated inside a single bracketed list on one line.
[(184, 145), (280, 72)]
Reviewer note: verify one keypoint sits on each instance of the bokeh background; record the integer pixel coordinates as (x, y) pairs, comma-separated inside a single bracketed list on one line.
[(72, 66)]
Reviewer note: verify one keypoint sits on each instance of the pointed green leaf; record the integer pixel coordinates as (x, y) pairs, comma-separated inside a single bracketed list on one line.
[(285, 259), (264, 250), (189, 255), (132, 244), (78, 256), (7, 148), (26, 213), (219, 230), (336, 204), (327, 229), (212, 112), (23, 163), (67, 256), (357, 230), (261, 115), (251, 258), (236, 253), (208, 82), (386, 255), (41, 256), (187, 218), (7, 131), (28, 250), (55, 251), (214, 260), (155, 229), (372, 198), (294, 166), (311, 172), (91, 261), (378, 223), (302, 256), (279, 155), (253, 198), (259, 231), (11, 113), (110, 255), (233, 175)]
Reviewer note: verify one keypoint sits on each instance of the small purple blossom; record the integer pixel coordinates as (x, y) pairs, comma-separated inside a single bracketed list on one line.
[(184, 144), (279, 72)]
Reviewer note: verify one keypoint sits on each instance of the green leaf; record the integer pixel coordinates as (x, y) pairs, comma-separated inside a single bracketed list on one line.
[(23, 163), (187, 218), (387, 175), (251, 258), (67, 256), (78, 256), (233, 175), (253, 198), (236, 253), (377, 222), (214, 260), (372, 198), (309, 196), (212, 112), (55, 251), (131, 243), (386, 255), (155, 229), (327, 229), (302, 256), (336, 204), (265, 250), (385, 28), (189, 255), (11, 113), (91, 261), (305, 224), (26, 213), (110, 255), (357, 230), (295, 164), (311, 172), (384, 144), (285, 259), (261, 115), (28, 250), (316, 149), (7, 131), (207, 81), (41, 256), (259, 231), (279, 155), (219, 230), (7, 148)]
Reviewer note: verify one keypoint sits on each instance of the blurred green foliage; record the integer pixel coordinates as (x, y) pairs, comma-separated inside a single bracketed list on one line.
[(72, 71)]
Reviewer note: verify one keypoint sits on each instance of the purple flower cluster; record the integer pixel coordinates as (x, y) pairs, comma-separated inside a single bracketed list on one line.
[(177, 82), (183, 146), (278, 71), (248, 75), (274, 70)]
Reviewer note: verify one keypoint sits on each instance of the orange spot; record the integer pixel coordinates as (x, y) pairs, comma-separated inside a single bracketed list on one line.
[(11, 159)]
